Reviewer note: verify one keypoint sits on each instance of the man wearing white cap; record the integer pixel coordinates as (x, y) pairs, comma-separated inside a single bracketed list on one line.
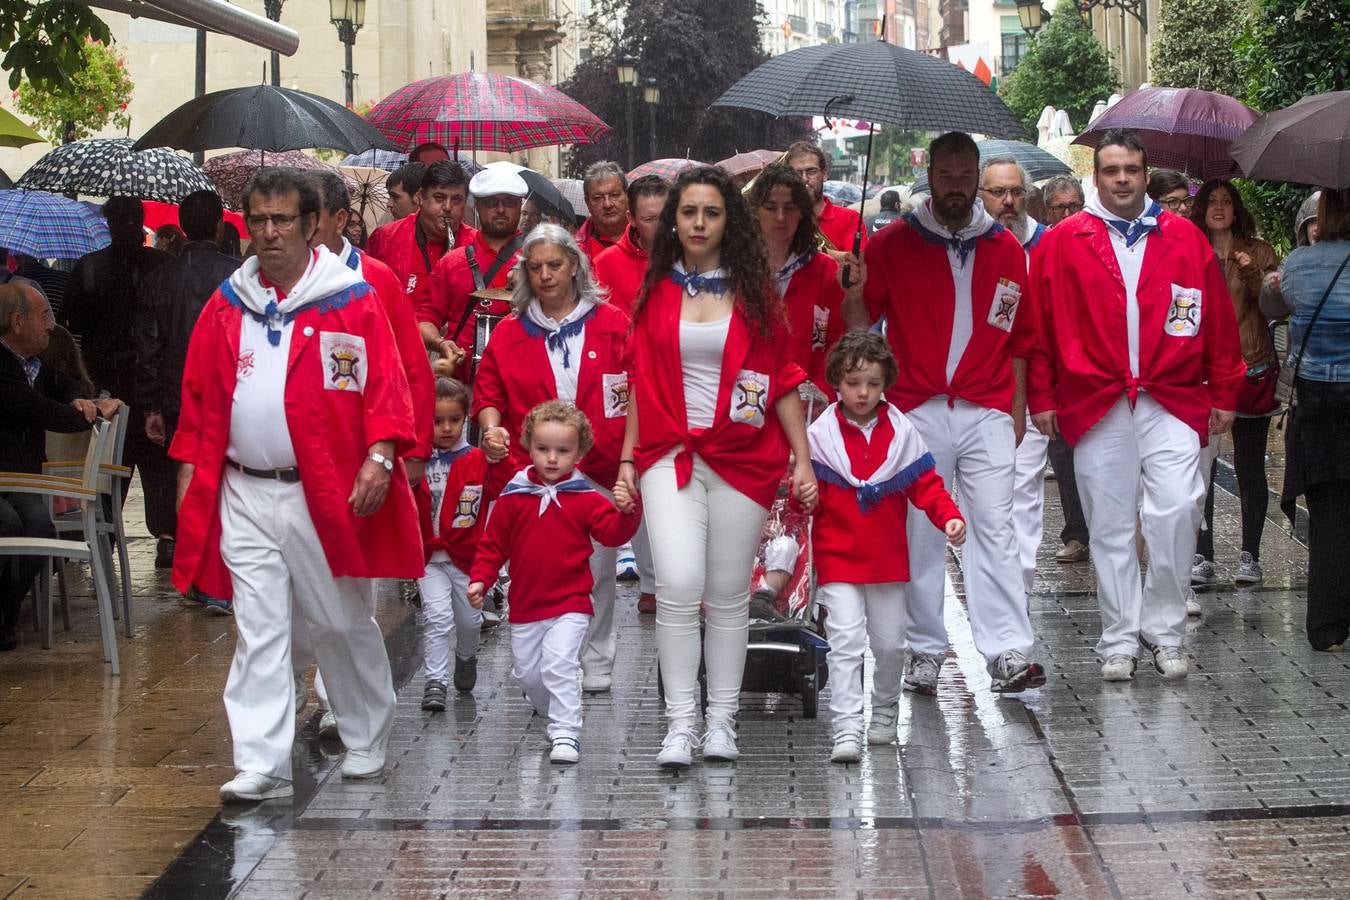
[(442, 300)]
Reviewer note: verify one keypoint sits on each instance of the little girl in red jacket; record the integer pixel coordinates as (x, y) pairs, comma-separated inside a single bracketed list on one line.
[(544, 522), (450, 505), (870, 464)]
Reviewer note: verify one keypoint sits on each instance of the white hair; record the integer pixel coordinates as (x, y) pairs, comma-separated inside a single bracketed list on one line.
[(583, 282), (1006, 161)]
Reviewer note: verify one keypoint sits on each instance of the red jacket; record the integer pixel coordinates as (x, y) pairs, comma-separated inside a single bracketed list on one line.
[(411, 349), (856, 547), (814, 304), (515, 376), (330, 429), (550, 552), (909, 280), (840, 225), (591, 242), (463, 509), (442, 298), (621, 268), (1080, 366), (397, 247), (745, 444)]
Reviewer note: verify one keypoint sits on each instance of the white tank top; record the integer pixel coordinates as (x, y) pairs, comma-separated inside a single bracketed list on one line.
[(701, 346)]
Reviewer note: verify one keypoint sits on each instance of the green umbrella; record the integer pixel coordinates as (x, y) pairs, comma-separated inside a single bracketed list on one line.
[(13, 133)]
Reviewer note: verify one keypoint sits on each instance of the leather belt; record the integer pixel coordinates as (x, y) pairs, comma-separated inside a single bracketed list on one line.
[(287, 476)]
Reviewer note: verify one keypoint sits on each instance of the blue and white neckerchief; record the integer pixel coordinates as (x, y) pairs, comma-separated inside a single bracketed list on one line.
[(792, 267), (537, 324), (328, 283), (1036, 231), (907, 457), (1132, 230), (449, 457), (963, 241), (522, 483), (713, 282)]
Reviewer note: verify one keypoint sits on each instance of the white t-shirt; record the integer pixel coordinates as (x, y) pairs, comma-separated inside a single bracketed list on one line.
[(565, 379), (1131, 261), (701, 346), (260, 437), (963, 319)]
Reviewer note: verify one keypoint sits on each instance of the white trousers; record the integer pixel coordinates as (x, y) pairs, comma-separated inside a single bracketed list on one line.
[(278, 571), (1142, 460), (642, 552), (597, 656), (977, 446), (861, 615), (546, 662), (1029, 500), (703, 540), (447, 616), (302, 648)]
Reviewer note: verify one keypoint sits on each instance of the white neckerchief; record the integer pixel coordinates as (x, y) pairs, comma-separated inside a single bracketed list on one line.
[(1030, 232), (325, 276), (826, 438), (980, 222), (536, 314), (522, 483)]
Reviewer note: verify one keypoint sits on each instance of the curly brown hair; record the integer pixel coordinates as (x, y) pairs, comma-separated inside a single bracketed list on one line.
[(857, 349), (559, 413), (779, 175), (1244, 226), (743, 258)]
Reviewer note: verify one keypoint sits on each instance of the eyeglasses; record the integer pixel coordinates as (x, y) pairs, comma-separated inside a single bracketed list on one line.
[(1066, 209), (280, 221), (1176, 203), (1016, 193), (812, 172)]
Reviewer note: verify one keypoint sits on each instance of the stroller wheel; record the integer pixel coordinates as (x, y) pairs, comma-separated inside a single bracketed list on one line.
[(810, 695)]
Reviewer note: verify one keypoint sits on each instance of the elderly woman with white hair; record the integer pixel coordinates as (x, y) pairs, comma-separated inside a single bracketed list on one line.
[(565, 342)]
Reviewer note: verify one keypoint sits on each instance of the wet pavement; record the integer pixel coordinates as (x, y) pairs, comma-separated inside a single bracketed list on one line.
[(1232, 783)]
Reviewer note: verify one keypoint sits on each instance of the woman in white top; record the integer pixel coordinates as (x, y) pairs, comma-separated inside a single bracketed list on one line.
[(713, 415)]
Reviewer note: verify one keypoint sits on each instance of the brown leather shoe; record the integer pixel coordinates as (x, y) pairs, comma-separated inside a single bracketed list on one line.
[(647, 604), (1072, 552)]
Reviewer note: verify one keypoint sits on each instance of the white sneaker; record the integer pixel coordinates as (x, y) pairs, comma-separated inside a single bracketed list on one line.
[(1118, 667), (1249, 570), (881, 730), (1171, 662), (250, 787), (625, 568), (1192, 603), (364, 763), (1202, 571), (596, 684), (328, 724), (565, 751), (921, 675), (719, 743), (1011, 672), (677, 750), (847, 747)]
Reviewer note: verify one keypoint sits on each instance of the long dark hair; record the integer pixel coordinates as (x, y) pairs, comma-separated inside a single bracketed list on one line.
[(779, 175), (743, 258), (1244, 226)]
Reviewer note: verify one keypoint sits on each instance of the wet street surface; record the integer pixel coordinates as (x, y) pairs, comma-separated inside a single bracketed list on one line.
[(1234, 782)]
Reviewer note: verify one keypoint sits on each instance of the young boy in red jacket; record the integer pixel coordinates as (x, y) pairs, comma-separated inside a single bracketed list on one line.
[(450, 505), (870, 464), (544, 522)]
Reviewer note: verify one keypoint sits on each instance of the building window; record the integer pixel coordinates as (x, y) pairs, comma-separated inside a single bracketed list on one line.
[(1014, 46)]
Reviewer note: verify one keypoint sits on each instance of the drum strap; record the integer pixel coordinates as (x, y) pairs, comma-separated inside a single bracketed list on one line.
[(482, 280)]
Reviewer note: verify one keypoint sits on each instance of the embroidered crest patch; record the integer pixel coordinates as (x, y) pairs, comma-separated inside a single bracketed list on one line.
[(1183, 315), (750, 398), (820, 320), (615, 388), (466, 508), (1003, 311), (244, 365), (344, 360)]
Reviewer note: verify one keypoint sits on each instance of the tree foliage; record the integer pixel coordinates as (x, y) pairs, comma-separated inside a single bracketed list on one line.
[(1292, 49), (45, 41), (95, 96), (1065, 67), (695, 50), (1195, 48)]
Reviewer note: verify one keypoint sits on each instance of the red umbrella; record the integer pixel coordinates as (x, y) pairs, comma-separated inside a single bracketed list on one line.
[(1182, 128), (157, 214), (752, 162), (669, 169), (484, 111)]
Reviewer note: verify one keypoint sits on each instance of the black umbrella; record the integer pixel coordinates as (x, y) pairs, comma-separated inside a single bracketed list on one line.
[(546, 194), (263, 117), (108, 167), (1307, 143), (1040, 164)]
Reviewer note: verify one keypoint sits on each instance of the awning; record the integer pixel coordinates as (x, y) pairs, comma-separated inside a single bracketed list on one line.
[(213, 15)]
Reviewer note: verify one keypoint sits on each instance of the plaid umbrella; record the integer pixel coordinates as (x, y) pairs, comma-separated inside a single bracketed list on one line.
[(48, 226), (107, 167), (484, 111), (1039, 163), (752, 162), (668, 169), (1182, 128), (231, 172), (574, 192), (389, 160)]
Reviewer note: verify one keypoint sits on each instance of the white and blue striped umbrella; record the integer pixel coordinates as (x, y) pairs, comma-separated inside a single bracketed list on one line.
[(49, 226)]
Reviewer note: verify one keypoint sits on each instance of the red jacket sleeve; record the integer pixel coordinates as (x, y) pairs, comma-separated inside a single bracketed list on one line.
[(412, 351), (189, 428), (611, 527), (929, 494), (875, 289), (1041, 359), (489, 388), (495, 546), (1025, 325), (387, 408), (1224, 367)]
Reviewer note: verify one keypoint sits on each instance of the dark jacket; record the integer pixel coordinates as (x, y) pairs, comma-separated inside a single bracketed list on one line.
[(172, 297), (100, 308), (28, 413)]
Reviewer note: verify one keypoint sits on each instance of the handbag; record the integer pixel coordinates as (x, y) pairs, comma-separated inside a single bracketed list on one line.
[(1257, 397)]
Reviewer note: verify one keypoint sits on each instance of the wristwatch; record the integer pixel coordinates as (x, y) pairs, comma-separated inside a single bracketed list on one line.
[(382, 460)]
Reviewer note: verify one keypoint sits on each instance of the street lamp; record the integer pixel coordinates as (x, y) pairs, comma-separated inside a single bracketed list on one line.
[(1136, 8), (626, 69), (1031, 15), (651, 95), (348, 16), (272, 9)]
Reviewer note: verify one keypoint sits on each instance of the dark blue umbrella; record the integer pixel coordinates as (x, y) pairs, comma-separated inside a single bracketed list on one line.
[(1039, 163)]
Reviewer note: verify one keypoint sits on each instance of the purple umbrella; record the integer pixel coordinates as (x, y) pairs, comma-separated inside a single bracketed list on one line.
[(1307, 143), (1183, 128)]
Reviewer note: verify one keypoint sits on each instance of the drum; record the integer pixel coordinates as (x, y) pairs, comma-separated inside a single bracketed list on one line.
[(490, 306)]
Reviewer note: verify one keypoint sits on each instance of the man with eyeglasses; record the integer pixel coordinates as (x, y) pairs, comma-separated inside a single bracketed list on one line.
[(606, 190), (443, 305), (292, 493), (1063, 197), (838, 224)]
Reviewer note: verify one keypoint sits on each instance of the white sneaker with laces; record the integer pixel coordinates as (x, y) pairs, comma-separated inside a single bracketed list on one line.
[(1011, 672), (847, 747), (881, 730), (719, 743), (1118, 667), (1171, 662), (597, 683), (625, 567), (1192, 603), (921, 675), (250, 787), (364, 763), (677, 750), (565, 751), (1249, 570), (1202, 572)]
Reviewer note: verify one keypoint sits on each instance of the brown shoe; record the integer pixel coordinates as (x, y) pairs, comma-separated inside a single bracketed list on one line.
[(1072, 552), (647, 604)]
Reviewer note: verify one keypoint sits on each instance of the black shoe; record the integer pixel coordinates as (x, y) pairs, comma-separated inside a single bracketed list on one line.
[(466, 674), (164, 553), (433, 696), (9, 636)]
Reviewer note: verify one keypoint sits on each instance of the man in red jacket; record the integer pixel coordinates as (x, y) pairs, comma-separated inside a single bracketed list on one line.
[(605, 186), (292, 496), (951, 283), (838, 224), (402, 185), (414, 244), (1137, 363), (622, 267)]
